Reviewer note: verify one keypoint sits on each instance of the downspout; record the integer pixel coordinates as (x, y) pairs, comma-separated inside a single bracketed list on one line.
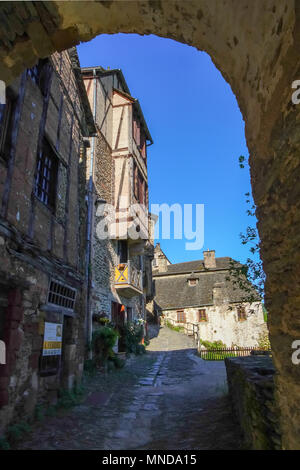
[(88, 273)]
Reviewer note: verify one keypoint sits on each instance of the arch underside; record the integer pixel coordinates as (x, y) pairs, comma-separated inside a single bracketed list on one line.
[(255, 45)]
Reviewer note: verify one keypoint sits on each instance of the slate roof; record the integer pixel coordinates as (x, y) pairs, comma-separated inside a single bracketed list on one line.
[(173, 291), (198, 265)]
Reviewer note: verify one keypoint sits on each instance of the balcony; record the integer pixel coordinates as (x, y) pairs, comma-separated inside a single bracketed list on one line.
[(128, 280)]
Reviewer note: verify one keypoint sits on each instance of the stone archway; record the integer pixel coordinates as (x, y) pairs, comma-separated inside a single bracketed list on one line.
[(255, 44)]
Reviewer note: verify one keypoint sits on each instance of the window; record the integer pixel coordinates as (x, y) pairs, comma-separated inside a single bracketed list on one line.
[(123, 251), (139, 186), (192, 282), (6, 126), (62, 295), (135, 181), (202, 315), (136, 130), (39, 74), (180, 316), (142, 145), (46, 175), (241, 314), (141, 192)]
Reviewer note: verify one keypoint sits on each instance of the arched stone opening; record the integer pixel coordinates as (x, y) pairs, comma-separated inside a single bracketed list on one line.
[(256, 47)]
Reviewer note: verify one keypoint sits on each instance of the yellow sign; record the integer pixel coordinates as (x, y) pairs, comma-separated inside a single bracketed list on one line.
[(52, 339), (121, 275)]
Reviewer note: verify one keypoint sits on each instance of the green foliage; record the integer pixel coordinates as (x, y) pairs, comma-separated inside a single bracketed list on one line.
[(89, 367), (180, 329), (69, 398), (118, 362), (103, 340), (134, 333), (212, 354), (241, 161), (265, 314), (264, 341), (4, 444), (213, 344), (251, 277), (39, 413), (16, 431), (50, 411)]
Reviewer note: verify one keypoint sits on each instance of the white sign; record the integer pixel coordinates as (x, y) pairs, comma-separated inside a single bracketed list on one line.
[(52, 339), (2, 92)]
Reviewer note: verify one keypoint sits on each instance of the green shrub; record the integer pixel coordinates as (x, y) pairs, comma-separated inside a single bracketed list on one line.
[(213, 344), (69, 398), (140, 349), (39, 413), (179, 329), (89, 367), (4, 444), (118, 362), (264, 341), (51, 411), (16, 431), (103, 340), (134, 333)]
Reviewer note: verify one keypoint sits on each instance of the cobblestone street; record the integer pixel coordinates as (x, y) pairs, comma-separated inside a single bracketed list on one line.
[(167, 399)]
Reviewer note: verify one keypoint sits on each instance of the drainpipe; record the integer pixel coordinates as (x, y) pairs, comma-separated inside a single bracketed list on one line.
[(88, 274)]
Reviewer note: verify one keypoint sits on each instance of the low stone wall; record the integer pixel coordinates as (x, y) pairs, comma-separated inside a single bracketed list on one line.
[(251, 389)]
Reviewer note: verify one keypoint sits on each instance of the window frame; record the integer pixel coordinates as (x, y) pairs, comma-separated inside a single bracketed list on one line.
[(44, 195), (202, 315), (61, 291), (6, 130), (181, 315), (241, 313), (39, 74)]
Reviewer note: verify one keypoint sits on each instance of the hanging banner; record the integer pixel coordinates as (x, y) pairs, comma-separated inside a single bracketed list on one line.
[(52, 339)]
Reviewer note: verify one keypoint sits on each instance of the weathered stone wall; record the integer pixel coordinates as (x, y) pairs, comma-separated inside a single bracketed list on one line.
[(256, 47), (251, 389), (223, 324), (38, 244)]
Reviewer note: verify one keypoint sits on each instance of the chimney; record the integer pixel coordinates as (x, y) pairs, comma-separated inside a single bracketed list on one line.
[(209, 259)]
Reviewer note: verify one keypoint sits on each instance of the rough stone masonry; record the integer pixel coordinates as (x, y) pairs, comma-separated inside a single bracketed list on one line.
[(256, 47)]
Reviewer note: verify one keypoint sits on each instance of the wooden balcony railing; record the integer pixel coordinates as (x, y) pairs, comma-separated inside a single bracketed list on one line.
[(127, 275)]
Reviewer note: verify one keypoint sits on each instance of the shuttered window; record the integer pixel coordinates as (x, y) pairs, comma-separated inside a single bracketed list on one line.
[(181, 316), (241, 314), (202, 315)]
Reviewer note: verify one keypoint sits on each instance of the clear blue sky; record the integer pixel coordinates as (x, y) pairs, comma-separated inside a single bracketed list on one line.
[(198, 134)]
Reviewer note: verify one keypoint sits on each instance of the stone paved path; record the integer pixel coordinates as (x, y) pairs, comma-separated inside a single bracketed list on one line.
[(167, 399)]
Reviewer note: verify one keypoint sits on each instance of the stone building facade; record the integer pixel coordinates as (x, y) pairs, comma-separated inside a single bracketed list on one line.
[(201, 292), (43, 126), (120, 276)]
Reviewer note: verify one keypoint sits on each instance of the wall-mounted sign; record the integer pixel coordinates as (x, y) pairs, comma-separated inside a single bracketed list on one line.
[(52, 339)]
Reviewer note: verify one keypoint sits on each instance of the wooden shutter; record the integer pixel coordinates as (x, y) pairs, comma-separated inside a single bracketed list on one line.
[(241, 314), (202, 315)]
